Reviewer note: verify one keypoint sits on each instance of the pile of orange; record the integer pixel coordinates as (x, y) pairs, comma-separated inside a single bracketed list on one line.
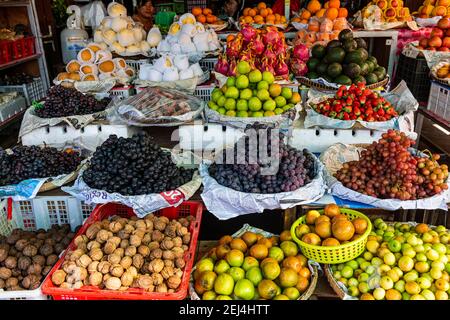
[(433, 8), (261, 14), (205, 15), (331, 10)]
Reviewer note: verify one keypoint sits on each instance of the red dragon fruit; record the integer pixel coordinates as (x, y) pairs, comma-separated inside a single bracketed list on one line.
[(267, 65), (269, 54), (248, 33), (222, 65), (301, 52), (281, 69), (232, 67), (298, 67), (279, 47), (258, 46), (271, 36)]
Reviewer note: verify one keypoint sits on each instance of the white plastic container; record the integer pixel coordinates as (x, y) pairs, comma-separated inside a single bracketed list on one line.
[(74, 37)]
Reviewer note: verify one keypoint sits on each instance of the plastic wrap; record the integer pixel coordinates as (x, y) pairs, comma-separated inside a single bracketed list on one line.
[(31, 121), (438, 201), (155, 106), (226, 203), (29, 188), (401, 98), (142, 204)]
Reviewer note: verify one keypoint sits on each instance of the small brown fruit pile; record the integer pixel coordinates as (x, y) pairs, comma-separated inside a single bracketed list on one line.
[(121, 253), (27, 257)]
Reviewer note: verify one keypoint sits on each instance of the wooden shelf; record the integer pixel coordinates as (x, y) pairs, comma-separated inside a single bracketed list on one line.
[(14, 3), (20, 61)]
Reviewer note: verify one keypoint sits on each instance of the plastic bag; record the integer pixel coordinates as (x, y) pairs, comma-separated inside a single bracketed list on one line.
[(438, 201), (29, 188), (157, 106), (31, 121), (93, 14), (141, 204), (226, 203), (401, 98)]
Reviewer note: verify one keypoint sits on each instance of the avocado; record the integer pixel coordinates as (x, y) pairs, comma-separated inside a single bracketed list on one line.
[(345, 34), (325, 60), (371, 66), (349, 45), (359, 79), (322, 69), (352, 70), (373, 60), (364, 54), (334, 69), (364, 68), (380, 72), (354, 57), (361, 43), (343, 79), (318, 51), (371, 78), (336, 54), (312, 64), (333, 44), (312, 75)]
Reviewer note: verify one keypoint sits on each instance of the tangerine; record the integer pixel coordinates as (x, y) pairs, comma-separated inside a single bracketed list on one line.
[(332, 13), (201, 18), (196, 11), (263, 12), (302, 284), (207, 11), (313, 6), (252, 12), (334, 4), (305, 272), (343, 13), (261, 5)]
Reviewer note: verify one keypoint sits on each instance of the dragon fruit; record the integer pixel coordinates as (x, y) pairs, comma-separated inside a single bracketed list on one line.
[(279, 47), (301, 52), (298, 67), (281, 69), (222, 65), (267, 65), (272, 36), (248, 33), (232, 67), (258, 46), (269, 54)]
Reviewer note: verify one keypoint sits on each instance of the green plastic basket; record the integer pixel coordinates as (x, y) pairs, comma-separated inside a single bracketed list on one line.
[(336, 254)]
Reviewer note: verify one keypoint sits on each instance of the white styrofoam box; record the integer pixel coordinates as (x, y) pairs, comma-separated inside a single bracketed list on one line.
[(122, 92), (11, 108), (207, 136), (88, 137), (208, 63), (41, 212), (136, 64), (318, 140), (439, 100)]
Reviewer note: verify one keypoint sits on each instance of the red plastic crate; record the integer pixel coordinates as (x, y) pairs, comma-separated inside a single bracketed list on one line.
[(5, 51), (22, 48), (100, 212)]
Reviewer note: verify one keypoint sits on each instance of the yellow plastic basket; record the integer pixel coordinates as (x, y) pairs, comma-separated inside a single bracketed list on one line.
[(337, 254)]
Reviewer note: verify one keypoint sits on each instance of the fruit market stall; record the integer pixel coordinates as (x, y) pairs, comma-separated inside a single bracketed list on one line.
[(204, 157)]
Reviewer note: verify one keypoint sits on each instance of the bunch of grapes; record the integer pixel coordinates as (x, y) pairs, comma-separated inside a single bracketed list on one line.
[(291, 168), (26, 162), (134, 166), (387, 170), (63, 102)]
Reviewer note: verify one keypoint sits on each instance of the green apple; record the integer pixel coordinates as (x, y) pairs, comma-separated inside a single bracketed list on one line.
[(386, 283), (263, 94), (230, 104), (232, 92), (212, 105), (268, 77), (242, 82), (231, 81), (395, 246), (269, 105), (222, 110), (255, 76), (224, 284), (262, 85), (215, 95), (254, 104), (231, 113), (347, 272), (281, 101), (278, 110), (221, 101), (242, 114), (242, 105), (258, 114), (221, 267), (246, 94), (243, 67)]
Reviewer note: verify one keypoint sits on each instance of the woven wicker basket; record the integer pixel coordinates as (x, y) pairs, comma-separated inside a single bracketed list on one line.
[(309, 83), (304, 296)]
